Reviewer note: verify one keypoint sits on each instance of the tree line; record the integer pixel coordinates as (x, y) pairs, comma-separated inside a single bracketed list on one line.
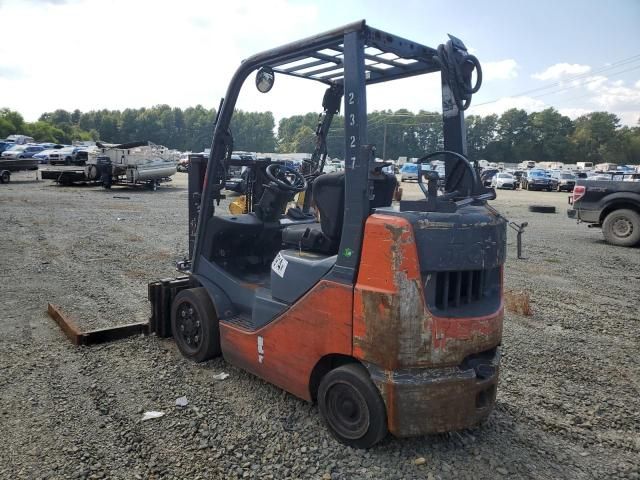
[(510, 137)]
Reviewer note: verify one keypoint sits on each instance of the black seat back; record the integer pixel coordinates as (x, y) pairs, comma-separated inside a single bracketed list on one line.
[(383, 189), (328, 194)]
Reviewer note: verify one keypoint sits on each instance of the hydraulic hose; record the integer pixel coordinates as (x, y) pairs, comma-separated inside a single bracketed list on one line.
[(457, 66)]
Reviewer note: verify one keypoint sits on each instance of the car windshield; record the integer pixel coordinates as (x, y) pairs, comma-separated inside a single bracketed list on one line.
[(567, 176), (537, 174), (504, 175), (410, 168), (17, 148)]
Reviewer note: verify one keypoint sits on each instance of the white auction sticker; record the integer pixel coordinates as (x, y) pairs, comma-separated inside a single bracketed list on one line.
[(279, 265)]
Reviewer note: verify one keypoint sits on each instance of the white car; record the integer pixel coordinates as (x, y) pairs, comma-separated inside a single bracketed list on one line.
[(503, 180)]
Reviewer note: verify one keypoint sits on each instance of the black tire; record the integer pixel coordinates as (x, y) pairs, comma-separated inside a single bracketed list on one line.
[(194, 325), (351, 406), (622, 228), (5, 177), (542, 209)]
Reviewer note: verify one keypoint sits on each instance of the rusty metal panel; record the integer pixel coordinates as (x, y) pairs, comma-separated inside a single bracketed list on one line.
[(436, 400), (393, 326)]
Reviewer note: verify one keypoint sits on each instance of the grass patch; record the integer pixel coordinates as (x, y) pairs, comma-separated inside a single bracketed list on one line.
[(517, 302)]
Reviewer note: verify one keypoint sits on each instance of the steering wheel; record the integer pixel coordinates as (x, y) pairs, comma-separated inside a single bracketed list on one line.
[(461, 158), (278, 174)]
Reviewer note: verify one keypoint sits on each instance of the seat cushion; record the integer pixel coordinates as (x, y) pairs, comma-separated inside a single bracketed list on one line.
[(308, 237)]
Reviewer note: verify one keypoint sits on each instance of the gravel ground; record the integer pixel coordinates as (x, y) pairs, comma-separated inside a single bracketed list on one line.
[(567, 402)]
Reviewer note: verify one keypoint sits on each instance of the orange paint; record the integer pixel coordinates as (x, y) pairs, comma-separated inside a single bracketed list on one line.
[(318, 324), (392, 325)]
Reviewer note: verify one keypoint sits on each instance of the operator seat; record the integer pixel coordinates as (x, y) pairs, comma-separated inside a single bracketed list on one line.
[(328, 195)]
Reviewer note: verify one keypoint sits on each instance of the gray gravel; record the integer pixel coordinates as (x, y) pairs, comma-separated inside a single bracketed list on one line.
[(567, 403)]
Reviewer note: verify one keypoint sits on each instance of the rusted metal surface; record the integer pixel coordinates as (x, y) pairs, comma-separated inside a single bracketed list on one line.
[(67, 326), (422, 401), (419, 360), (91, 337), (393, 327)]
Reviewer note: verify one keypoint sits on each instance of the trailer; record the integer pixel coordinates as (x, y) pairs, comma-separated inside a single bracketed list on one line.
[(135, 163)]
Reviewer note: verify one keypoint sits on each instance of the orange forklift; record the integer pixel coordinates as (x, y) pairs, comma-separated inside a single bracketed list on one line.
[(388, 315)]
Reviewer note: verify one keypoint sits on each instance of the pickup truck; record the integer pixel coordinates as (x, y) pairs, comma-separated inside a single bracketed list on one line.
[(612, 205)]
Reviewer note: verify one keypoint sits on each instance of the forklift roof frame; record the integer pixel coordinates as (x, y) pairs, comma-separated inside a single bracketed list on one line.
[(355, 56)]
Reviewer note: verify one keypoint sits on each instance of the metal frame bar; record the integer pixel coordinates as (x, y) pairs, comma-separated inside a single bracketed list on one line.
[(351, 40), (100, 335), (356, 199)]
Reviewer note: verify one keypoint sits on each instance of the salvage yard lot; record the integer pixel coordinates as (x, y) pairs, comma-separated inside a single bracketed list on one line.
[(567, 403)]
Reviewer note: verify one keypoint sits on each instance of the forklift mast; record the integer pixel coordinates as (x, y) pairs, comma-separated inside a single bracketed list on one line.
[(340, 59)]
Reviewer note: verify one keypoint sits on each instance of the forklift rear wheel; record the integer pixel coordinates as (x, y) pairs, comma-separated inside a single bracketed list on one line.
[(352, 407), (194, 325)]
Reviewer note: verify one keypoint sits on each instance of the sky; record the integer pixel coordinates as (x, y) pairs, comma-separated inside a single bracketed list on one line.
[(576, 56)]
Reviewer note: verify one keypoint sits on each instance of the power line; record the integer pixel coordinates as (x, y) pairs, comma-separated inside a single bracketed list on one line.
[(570, 87), (605, 68), (612, 66)]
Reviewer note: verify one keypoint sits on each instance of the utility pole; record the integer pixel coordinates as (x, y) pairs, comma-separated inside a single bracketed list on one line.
[(384, 142)]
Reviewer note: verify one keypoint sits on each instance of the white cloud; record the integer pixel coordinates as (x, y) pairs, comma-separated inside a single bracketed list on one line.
[(631, 118), (594, 83), (608, 95), (123, 54), (505, 103), (574, 113), (500, 70), (561, 70), (615, 96)]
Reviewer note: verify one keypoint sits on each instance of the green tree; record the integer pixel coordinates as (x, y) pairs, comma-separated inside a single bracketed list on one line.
[(550, 136), (595, 135), (11, 122)]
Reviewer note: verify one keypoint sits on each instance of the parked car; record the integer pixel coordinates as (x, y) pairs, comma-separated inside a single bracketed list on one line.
[(566, 181), (5, 145), (22, 151), (612, 205), (43, 156), (503, 180), (65, 156), (409, 171), (537, 180), (20, 157), (487, 176)]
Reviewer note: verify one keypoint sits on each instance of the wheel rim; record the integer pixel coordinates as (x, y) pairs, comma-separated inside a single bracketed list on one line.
[(622, 227), (189, 326), (347, 411)]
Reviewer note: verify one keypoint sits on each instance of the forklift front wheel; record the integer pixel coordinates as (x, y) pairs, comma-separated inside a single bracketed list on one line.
[(194, 325), (352, 407)]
